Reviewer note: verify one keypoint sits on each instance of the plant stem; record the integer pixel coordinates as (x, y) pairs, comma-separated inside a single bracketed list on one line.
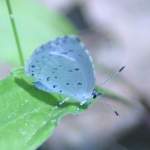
[(11, 17)]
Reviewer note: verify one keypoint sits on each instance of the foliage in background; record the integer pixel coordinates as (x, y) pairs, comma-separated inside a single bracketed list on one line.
[(35, 25)]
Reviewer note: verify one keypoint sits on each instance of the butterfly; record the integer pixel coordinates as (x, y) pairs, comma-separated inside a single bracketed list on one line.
[(63, 66)]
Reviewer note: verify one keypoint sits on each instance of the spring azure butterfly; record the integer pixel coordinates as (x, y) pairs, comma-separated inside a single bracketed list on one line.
[(63, 66)]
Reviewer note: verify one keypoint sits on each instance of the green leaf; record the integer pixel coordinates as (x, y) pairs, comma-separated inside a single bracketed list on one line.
[(116, 97), (35, 25), (28, 116)]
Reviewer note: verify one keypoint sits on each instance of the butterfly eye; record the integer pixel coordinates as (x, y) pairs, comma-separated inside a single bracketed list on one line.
[(95, 94)]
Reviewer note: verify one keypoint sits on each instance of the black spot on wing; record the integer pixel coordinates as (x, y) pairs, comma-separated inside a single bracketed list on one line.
[(48, 78), (67, 83), (76, 69), (79, 83), (54, 86), (32, 66)]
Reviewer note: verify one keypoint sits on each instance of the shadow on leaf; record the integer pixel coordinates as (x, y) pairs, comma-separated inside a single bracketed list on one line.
[(44, 96)]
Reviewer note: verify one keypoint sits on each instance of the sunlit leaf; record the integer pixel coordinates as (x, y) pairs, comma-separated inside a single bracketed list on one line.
[(27, 115)]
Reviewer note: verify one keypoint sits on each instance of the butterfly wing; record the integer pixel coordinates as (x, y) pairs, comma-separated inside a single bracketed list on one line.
[(63, 66)]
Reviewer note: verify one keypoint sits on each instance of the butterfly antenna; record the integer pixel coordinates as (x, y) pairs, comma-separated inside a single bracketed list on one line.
[(113, 75), (112, 109)]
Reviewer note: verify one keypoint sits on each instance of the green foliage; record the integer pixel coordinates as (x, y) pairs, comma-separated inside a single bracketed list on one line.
[(35, 25), (28, 115)]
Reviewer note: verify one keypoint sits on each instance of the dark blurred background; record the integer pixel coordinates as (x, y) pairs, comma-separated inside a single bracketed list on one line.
[(117, 33)]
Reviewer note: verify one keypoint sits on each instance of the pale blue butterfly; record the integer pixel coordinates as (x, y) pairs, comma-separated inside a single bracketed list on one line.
[(63, 66)]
